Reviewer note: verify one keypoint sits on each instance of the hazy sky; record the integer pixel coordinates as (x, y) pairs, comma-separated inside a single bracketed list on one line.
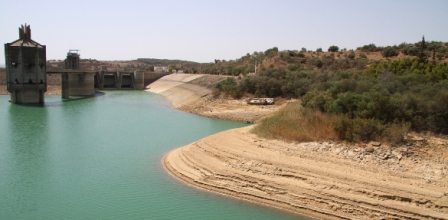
[(204, 30)]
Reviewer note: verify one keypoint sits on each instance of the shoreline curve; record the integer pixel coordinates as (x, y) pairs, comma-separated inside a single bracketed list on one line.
[(295, 178)]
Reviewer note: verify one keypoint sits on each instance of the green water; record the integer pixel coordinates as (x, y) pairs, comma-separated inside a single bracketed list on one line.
[(99, 158)]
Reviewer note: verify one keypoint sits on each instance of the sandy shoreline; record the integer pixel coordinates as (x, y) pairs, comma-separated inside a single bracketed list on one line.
[(192, 93), (210, 189), (320, 180), (303, 179)]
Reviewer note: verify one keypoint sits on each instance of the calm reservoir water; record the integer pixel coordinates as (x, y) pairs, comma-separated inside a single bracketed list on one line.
[(99, 158)]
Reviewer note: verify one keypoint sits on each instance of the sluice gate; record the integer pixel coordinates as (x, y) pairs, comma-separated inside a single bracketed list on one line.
[(120, 80)]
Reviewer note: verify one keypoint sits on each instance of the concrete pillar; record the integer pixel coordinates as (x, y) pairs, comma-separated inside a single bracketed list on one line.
[(65, 86), (139, 80), (78, 84)]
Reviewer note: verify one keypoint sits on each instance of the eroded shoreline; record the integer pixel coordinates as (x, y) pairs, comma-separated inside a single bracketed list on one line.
[(320, 180), (303, 179)]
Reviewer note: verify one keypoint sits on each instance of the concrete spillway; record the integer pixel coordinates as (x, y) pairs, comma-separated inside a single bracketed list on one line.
[(120, 80)]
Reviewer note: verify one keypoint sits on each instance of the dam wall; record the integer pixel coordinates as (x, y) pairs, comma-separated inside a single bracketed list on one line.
[(183, 89)]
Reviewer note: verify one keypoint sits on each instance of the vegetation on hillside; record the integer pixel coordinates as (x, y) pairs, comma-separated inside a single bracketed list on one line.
[(361, 99), (174, 65)]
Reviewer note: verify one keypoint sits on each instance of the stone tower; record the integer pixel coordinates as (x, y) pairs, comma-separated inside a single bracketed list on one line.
[(26, 69), (72, 60)]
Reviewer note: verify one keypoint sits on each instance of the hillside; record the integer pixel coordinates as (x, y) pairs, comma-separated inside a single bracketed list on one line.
[(175, 64), (373, 93), (333, 59), (142, 64)]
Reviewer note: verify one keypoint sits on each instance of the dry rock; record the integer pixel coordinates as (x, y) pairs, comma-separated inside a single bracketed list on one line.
[(375, 144), (369, 149)]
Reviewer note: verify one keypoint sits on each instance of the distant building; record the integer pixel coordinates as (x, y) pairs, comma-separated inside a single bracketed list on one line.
[(72, 61), (161, 69)]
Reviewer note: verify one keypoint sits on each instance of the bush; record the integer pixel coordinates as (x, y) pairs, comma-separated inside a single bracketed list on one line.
[(351, 55), (303, 124), (390, 52), (271, 52), (395, 133), (369, 48), (410, 50), (230, 87), (317, 100), (358, 129), (298, 124), (333, 48)]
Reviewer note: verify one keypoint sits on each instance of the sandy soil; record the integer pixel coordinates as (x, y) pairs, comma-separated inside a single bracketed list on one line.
[(322, 180), (192, 93)]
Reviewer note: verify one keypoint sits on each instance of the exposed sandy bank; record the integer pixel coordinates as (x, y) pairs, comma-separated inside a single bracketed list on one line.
[(324, 180), (193, 93)]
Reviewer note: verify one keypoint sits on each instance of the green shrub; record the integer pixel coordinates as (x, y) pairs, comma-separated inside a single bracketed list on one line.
[(351, 55), (390, 52), (230, 87), (359, 129), (333, 48), (369, 48), (298, 124)]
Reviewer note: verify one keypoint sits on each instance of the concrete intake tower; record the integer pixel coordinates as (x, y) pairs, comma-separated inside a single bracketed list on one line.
[(26, 69)]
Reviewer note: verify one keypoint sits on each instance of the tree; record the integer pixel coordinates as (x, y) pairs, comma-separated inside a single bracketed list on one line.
[(351, 55), (303, 50), (271, 52), (390, 52), (333, 48), (319, 50), (368, 48), (422, 57)]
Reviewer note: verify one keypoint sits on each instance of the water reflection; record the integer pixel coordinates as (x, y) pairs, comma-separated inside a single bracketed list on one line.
[(28, 156)]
